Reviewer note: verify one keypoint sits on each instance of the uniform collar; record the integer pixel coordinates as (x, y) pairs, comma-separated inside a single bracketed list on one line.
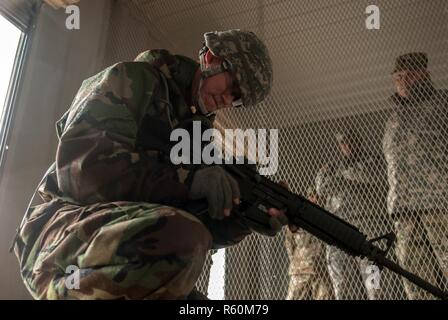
[(179, 71), (177, 67)]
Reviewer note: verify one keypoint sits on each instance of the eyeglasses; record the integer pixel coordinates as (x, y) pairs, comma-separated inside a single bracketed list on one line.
[(236, 93)]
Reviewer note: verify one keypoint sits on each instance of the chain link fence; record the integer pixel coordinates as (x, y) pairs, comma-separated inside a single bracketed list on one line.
[(331, 75)]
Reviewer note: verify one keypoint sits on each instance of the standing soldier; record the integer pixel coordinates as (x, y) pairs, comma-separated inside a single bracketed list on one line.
[(416, 150), (347, 188), (309, 279)]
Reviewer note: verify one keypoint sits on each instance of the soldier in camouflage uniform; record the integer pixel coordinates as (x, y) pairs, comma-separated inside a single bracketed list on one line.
[(309, 279), (113, 201), (415, 148), (346, 188)]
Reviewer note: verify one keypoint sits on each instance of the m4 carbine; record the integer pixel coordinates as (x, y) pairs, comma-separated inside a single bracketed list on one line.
[(258, 193)]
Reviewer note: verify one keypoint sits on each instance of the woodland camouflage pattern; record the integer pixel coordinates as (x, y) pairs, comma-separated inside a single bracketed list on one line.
[(309, 278), (112, 200), (250, 59)]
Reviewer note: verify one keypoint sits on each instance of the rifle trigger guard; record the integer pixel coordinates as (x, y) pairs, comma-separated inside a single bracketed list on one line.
[(390, 239)]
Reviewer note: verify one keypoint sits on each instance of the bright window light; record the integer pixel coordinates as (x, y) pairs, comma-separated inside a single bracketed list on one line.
[(217, 274), (10, 36)]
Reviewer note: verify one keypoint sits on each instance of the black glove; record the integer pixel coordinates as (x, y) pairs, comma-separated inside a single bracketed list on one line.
[(218, 187)]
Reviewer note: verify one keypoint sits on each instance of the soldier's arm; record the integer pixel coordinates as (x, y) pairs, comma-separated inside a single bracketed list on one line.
[(323, 185), (97, 156)]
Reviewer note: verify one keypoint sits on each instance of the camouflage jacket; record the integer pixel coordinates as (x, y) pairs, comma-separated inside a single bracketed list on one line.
[(346, 188), (415, 148), (114, 140)]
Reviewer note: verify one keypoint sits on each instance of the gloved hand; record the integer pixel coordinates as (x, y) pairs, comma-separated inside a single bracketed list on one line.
[(219, 188), (278, 218)]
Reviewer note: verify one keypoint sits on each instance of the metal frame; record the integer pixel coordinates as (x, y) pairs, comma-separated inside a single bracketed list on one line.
[(15, 84)]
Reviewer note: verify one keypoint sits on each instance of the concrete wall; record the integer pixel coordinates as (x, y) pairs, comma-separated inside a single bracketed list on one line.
[(59, 60)]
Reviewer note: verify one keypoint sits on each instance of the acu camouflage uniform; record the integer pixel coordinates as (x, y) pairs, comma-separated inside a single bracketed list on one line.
[(112, 200), (416, 151), (346, 188), (309, 278)]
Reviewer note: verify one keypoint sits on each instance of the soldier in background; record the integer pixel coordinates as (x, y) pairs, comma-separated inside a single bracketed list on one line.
[(309, 279), (353, 188), (416, 150)]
